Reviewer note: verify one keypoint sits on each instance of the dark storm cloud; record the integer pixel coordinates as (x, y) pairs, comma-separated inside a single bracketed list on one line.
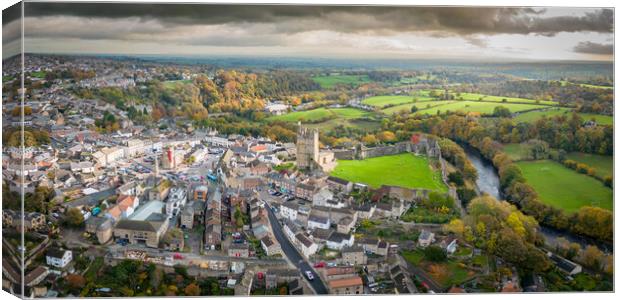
[(11, 13), (13, 31), (594, 48), (351, 19)]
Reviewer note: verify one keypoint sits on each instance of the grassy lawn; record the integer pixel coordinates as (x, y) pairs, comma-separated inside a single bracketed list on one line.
[(406, 170), (604, 164), (480, 107), (333, 80), (414, 257), (38, 74), (321, 113), (420, 105), (564, 188), (457, 273), (488, 98), (516, 151), (381, 101), (533, 116), (367, 125), (600, 119), (446, 273), (480, 260), (587, 85), (463, 251), (329, 118)]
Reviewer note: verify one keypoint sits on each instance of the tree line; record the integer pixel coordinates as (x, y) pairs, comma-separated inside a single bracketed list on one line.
[(589, 221)]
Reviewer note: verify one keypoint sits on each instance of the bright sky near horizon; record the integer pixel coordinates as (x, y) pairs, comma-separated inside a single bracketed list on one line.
[(313, 31)]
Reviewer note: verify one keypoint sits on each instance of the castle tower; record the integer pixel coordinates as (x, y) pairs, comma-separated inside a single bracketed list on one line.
[(307, 147)]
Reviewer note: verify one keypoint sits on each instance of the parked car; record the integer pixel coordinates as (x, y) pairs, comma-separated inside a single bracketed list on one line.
[(319, 265)]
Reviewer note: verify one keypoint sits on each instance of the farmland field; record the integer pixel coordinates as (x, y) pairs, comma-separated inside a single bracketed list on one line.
[(481, 107), (516, 151), (489, 98), (532, 116), (564, 188), (328, 118), (364, 124), (405, 170), (604, 164), (381, 101), (333, 80), (321, 113), (420, 105), (600, 119), (587, 85)]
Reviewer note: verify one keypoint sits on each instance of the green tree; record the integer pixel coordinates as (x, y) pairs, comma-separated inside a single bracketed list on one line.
[(435, 254), (74, 217), (501, 112)]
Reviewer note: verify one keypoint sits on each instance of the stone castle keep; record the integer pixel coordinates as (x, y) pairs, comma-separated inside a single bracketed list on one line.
[(307, 147), (309, 156)]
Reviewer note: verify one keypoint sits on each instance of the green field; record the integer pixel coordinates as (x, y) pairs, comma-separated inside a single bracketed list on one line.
[(600, 119), (564, 188), (364, 124), (489, 98), (382, 101), (405, 170), (480, 107), (587, 85), (516, 151), (604, 164), (333, 80), (420, 105), (38, 74), (328, 118), (321, 113), (533, 116)]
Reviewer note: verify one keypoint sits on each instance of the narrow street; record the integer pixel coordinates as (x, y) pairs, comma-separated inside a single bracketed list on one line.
[(293, 255)]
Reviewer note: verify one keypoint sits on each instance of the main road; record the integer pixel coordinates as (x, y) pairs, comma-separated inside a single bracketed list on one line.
[(293, 255)]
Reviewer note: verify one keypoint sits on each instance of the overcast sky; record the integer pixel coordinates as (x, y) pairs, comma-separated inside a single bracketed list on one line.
[(321, 31)]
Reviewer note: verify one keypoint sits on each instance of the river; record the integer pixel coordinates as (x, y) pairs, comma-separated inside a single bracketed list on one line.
[(488, 182)]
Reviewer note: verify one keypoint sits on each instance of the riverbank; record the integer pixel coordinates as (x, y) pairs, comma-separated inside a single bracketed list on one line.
[(488, 182)]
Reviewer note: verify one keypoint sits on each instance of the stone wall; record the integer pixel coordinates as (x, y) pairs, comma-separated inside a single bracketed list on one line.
[(425, 146)]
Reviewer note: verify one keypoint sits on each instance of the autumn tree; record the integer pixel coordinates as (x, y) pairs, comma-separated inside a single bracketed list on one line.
[(592, 257), (75, 281), (192, 289)]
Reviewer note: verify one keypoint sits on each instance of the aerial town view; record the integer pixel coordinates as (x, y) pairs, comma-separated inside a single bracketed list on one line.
[(219, 150)]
